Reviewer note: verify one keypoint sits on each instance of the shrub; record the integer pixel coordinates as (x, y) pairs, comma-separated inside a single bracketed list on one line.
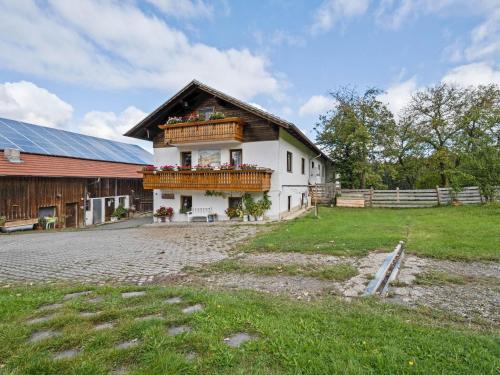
[(233, 212), (120, 212), (3, 219)]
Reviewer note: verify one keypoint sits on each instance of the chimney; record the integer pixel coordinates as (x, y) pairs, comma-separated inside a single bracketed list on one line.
[(12, 155)]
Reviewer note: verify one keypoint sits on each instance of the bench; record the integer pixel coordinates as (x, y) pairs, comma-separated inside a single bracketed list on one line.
[(12, 226), (200, 212)]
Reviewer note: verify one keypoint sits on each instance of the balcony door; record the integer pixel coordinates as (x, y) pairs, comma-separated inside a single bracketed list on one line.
[(236, 157), (186, 159)]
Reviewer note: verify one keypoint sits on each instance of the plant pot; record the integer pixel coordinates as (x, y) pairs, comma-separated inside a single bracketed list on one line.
[(114, 219), (245, 218), (162, 219)]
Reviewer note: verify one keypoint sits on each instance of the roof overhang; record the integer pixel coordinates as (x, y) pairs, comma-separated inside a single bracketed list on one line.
[(149, 125)]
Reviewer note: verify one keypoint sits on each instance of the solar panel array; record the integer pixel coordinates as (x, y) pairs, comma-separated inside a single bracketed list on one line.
[(48, 141)]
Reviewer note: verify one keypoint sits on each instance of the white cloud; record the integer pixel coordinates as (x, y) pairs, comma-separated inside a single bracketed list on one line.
[(473, 74), (398, 95), (316, 105), (485, 39), (184, 8), (394, 13), (116, 45), (110, 125), (330, 12), (25, 101)]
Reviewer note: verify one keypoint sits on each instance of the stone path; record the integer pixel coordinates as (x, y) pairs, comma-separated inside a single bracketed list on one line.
[(136, 255)]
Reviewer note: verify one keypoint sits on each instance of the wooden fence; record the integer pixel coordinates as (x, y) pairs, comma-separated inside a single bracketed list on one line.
[(403, 198)]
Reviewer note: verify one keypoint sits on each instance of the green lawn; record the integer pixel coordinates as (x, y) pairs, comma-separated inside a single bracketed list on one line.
[(467, 233), (326, 337)]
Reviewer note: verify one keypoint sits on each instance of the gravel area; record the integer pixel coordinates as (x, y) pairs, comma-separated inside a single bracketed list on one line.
[(477, 299), (300, 287)]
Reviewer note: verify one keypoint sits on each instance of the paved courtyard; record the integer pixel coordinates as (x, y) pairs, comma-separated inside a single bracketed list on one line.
[(135, 255)]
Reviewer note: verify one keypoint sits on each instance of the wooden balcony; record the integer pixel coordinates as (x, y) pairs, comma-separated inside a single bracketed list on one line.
[(221, 180), (228, 129)]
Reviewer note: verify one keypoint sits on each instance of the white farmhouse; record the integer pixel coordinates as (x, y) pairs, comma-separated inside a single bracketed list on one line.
[(211, 149)]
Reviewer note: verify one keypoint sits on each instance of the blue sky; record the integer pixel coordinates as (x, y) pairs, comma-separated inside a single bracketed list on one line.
[(99, 67)]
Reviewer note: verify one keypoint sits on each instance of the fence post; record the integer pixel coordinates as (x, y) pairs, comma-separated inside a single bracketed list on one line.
[(397, 194), (371, 196), (438, 197)]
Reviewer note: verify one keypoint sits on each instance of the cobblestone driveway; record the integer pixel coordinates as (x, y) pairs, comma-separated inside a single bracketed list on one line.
[(135, 255)]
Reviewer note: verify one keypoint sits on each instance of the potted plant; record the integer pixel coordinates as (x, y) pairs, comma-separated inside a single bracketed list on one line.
[(167, 167), (227, 166), (120, 212), (234, 213), (174, 120), (163, 213), (217, 116)]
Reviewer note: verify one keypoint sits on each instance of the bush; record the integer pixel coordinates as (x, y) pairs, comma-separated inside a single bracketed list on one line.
[(3, 219), (120, 212), (233, 212)]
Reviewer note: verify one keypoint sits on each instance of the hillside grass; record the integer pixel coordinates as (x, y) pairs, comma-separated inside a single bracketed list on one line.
[(457, 233), (330, 336)]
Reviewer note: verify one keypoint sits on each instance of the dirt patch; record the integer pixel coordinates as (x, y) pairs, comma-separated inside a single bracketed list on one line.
[(475, 297), (296, 286)]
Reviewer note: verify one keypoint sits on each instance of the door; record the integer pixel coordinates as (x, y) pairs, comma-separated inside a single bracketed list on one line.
[(186, 159), (236, 157), (109, 208), (71, 219), (97, 211)]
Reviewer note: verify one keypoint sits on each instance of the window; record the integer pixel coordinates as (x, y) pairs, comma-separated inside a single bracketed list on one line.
[(312, 165), (235, 202), (186, 202), (236, 157), (206, 112), (289, 203), (288, 161), (319, 170), (303, 166), (209, 157), (186, 159)]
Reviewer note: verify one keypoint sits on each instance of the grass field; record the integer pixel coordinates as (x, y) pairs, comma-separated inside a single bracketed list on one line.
[(326, 337), (465, 233)]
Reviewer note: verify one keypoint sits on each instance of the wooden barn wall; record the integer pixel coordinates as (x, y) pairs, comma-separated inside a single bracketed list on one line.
[(21, 197), (255, 128)]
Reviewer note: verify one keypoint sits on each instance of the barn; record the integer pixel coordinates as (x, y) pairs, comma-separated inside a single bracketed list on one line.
[(74, 179)]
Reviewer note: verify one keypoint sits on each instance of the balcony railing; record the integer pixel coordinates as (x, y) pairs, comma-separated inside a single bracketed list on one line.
[(228, 129), (258, 180)]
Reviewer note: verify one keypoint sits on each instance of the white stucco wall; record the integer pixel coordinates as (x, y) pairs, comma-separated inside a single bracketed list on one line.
[(269, 154)]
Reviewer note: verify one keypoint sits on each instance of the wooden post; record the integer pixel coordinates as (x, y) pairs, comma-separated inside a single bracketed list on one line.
[(371, 196), (397, 194), (438, 197)]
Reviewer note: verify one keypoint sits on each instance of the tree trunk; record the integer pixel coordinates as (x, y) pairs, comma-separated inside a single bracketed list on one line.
[(442, 174)]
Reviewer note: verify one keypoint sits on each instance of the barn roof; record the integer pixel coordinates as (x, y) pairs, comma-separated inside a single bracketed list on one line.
[(41, 140), (33, 165)]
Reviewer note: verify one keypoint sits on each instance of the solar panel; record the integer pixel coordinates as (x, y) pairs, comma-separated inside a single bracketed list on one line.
[(49, 141)]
